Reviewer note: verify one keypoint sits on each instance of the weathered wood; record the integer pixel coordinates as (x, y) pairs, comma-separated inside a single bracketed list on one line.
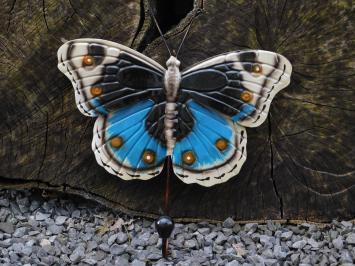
[(300, 162)]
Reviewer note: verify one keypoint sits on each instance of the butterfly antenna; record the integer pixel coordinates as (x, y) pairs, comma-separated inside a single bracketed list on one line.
[(157, 25), (196, 13)]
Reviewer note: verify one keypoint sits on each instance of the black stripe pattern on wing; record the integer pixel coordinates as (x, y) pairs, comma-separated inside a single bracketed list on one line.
[(218, 87), (128, 81)]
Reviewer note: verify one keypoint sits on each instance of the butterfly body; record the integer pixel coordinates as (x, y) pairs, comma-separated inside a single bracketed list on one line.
[(145, 112), (172, 78)]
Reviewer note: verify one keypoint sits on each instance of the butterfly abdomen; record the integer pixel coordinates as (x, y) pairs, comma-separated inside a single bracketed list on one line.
[(170, 121), (172, 80)]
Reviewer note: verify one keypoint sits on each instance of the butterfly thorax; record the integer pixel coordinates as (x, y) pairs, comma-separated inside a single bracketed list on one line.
[(172, 80)]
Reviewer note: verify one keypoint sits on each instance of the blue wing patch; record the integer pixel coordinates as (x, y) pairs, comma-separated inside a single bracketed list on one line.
[(122, 137), (214, 147), (247, 109)]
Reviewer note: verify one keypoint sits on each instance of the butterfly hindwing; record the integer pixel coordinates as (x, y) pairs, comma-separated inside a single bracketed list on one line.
[(122, 88), (224, 94), (123, 145), (213, 150)]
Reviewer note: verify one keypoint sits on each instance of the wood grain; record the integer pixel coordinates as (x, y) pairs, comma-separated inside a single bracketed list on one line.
[(300, 162)]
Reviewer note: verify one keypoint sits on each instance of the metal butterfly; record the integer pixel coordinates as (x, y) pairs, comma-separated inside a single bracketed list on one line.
[(146, 112)]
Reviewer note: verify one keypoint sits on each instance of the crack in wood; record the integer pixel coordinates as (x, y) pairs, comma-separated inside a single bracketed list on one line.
[(142, 18), (285, 95), (44, 13), (281, 209), (10, 14), (45, 146)]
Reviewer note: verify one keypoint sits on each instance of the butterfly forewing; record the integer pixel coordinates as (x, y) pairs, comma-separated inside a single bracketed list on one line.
[(239, 84)]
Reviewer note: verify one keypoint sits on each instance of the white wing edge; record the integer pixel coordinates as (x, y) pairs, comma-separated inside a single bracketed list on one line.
[(105, 160)]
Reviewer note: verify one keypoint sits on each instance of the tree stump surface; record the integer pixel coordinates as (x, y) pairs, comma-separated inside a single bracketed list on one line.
[(300, 162)]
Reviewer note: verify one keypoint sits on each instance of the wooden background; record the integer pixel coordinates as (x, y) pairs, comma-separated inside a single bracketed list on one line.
[(300, 162)]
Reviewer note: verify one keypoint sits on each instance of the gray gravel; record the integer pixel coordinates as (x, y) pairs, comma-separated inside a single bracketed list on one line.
[(55, 230)]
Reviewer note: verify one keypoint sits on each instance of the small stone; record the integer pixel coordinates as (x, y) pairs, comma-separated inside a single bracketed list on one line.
[(60, 220), (351, 239), (236, 228), (78, 254), (228, 223), (27, 251), (121, 261), (267, 253), (7, 228), (345, 257), (55, 229), (227, 231), (271, 225), (44, 242), (333, 234), (33, 233), (20, 232), (91, 245), (4, 202), (145, 236), (221, 238), (286, 235), (90, 261), (117, 250), (138, 242), (204, 230), (65, 259), (191, 243), (111, 239), (256, 259), (104, 247), (4, 213), (14, 258), (233, 263), (192, 227), (99, 255), (209, 238), (30, 243), (240, 249), (153, 239), (338, 243), (41, 216), (121, 238), (347, 223), (17, 247), (250, 227), (75, 214), (5, 243), (137, 263), (146, 223), (295, 258), (313, 243), (265, 240), (154, 256), (217, 249), (279, 254), (299, 244)]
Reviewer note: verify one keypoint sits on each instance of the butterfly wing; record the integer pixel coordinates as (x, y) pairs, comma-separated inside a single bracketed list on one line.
[(122, 88), (223, 95), (212, 151)]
